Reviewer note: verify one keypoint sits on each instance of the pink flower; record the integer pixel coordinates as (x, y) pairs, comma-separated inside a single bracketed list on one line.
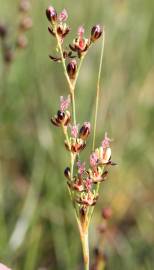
[(74, 130), (63, 16), (106, 142), (81, 167), (64, 103), (88, 184), (81, 31), (3, 267), (93, 159), (87, 125)]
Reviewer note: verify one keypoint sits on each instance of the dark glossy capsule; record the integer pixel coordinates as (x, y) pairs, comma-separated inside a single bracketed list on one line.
[(67, 173), (72, 69), (84, 131), (61, 115), (96, 32), (51, 14)]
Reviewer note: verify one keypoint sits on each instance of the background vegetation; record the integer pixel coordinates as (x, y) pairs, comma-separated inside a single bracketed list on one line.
[(37, 224)]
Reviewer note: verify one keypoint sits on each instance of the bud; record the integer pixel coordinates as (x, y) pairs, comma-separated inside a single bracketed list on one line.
[(84, 131), (67, 173), (51, 14), (3, 31), (26, 23), (22, 42), (96, 32), (72, 69), (107, 213)]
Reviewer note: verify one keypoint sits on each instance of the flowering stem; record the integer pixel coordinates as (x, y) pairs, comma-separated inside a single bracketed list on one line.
[(98, 92)]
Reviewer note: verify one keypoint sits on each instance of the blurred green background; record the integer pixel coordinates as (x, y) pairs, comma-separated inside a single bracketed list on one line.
[(37, 225)]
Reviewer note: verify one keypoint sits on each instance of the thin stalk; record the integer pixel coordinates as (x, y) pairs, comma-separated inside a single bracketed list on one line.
[(85, 245), (73, 107), (98, 92), (63, 62)]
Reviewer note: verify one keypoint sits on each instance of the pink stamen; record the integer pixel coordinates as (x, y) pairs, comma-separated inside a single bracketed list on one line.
[(64, 103), (74, 130), (106, 142), (87, 125), (63, 16), (93, 159), (81, 167), (88, 184), (81, 31)]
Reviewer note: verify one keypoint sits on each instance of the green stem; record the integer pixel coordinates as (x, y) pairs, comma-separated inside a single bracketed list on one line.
[(98, 92)]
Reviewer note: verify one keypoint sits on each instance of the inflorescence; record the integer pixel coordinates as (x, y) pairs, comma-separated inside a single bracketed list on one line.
[(83, 178)]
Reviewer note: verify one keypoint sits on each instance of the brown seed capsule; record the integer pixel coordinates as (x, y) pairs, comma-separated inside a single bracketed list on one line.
[(8, 55), (22, 42), (26, 23), (63, 30), (96, 32), (67, 173), (72, 69), (107, 213), (3, 31), (61, 119), (51, 14), (24, 5), (84, 131)]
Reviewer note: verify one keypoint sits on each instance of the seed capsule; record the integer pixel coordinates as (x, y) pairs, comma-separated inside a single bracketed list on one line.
[(107, 213), (8, 55), (72, 69), (96, 32), (24, 6), (22, 42), (3, 31), (61, 119), (26, 23), (84, 131), (51, 14), (67, 173)]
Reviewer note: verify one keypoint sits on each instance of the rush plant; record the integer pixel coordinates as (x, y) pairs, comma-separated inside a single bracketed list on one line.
[(83, 177)]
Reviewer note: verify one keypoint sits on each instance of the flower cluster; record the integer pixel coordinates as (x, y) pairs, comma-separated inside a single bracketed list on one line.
[(24, 24), (59, 29)]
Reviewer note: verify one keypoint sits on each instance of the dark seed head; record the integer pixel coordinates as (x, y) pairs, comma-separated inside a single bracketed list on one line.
[(51, 14), (84, 131), (60, 115), (3, 30), (67, 173), (96, 32), (72, 69)]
